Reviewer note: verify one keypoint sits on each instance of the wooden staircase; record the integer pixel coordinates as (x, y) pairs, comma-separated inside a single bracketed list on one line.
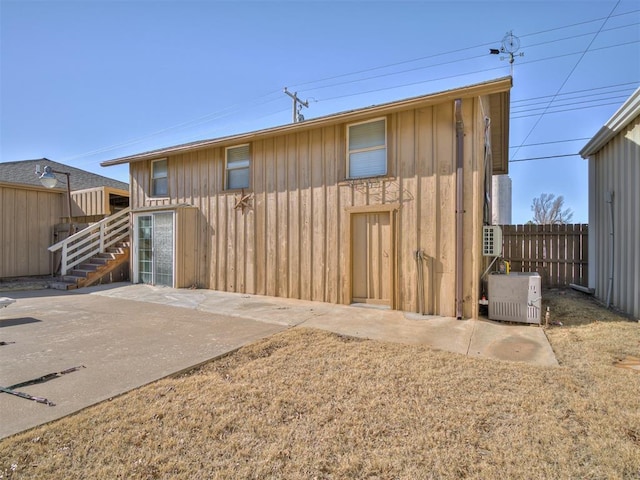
[(106, 267), (98, 254)]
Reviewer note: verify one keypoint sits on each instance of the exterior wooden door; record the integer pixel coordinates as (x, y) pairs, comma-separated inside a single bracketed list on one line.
[(371, 255)]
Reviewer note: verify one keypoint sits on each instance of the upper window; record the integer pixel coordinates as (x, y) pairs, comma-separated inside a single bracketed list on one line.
[(367, 149), (159, 178), (237, 167)]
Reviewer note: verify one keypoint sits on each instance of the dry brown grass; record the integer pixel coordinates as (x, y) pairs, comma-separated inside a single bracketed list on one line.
[(310, 404)]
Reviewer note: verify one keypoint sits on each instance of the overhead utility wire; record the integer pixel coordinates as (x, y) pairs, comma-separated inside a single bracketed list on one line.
[(570, 73), (225, 112), (230, 110), (573, 37), (449, 53), (633, 86), (448, 77), (532, 108), (391, 65), (553, 142), (562, 111), (543, 158), (580, 23), (584, 99), (390, 74)]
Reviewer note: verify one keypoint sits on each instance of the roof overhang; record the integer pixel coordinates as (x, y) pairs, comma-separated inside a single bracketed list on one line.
[(104, 189), (500, 87), (27, 186), (623, 117)]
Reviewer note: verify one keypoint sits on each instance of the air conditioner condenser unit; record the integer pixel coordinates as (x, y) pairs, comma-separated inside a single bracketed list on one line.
[(516, 297)]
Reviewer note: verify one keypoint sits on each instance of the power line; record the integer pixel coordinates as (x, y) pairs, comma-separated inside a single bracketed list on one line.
[(562, 111), (358, 80), (543, 158), (573, 37), (190, 123), (632, 87), (451, 52), (571, 72), (448, 77), (549, 143), (528, 108), (234, 108), (581, 23)]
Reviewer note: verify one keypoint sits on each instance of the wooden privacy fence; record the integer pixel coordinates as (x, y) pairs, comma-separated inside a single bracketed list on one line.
[(557, 252)]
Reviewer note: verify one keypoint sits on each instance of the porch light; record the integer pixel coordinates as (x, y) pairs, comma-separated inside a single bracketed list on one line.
[(49, 180)]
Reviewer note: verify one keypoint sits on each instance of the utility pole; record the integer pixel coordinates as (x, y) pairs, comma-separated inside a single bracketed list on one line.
[(297, 105)]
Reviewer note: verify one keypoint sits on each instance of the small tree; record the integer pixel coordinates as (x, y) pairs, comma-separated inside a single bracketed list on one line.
[(547, 209)]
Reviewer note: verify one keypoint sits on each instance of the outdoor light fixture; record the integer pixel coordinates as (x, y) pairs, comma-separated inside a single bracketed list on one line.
[(49, 180)]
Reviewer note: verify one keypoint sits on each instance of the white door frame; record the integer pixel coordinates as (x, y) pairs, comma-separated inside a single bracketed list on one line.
[(134, 249)]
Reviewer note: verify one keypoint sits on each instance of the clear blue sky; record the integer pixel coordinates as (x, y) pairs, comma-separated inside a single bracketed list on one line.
[(87, 81)]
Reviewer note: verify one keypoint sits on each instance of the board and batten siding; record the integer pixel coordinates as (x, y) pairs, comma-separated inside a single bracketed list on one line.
[(616, 168), (27, 217), (94, 201), (295, 241)]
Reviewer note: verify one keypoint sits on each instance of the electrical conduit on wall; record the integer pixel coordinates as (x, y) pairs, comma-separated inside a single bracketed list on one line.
[(611, 248), (459, 204)]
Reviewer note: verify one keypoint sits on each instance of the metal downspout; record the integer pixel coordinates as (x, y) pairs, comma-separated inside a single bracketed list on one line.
[(459, 205)]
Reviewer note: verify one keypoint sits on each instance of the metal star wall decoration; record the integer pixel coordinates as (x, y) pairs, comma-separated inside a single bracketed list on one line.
[(244, 201)]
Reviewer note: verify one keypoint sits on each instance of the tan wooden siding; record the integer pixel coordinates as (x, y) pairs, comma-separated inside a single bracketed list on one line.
[(94, 201), (616, 168), (294, 241), (27, 218), (88, 202)]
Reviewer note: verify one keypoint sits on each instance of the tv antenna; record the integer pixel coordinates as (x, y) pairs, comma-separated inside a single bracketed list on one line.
[(510, 46), (297, 106)]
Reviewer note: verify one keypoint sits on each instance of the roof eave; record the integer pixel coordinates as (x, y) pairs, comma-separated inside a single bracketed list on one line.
[(489, 87), (629, 110)]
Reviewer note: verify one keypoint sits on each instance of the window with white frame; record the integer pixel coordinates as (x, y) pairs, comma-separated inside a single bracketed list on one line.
[(367, 149), (237, 167), (159, 178)]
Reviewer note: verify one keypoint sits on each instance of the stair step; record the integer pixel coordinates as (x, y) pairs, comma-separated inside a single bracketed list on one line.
[(99, 262), (80, 273), (72, 278), (60, 285), (90, 267)]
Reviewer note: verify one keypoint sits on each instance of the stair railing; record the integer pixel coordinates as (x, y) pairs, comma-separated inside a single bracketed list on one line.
[(94, 239)]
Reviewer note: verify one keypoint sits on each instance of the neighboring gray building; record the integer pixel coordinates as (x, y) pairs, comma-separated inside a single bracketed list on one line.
[(614, 208), (501, 200)]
